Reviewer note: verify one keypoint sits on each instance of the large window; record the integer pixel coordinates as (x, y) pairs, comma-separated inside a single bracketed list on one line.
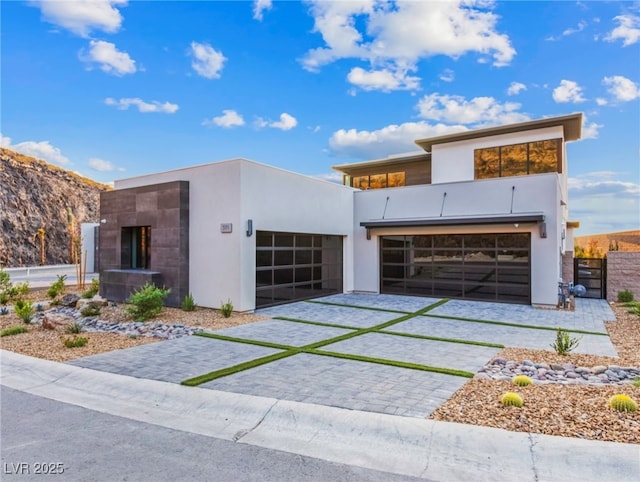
[(136, 247), (518, 159), (491, 267), (294, 266), (379, 181)]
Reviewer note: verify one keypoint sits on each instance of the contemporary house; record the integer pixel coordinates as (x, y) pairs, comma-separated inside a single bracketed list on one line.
[(480, 214)]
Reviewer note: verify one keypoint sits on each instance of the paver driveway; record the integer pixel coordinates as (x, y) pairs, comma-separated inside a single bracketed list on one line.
[(383, 353)]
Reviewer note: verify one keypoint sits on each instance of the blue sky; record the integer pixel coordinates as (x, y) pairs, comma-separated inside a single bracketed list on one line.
[(112, 89)]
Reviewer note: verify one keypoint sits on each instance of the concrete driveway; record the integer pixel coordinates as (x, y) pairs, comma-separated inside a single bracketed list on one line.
[(389, 354)]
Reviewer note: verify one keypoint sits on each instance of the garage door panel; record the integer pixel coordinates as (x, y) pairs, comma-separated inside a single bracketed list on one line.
[(294, 266), (475, 266)]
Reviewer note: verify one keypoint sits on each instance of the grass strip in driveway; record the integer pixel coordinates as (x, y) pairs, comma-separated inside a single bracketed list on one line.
[(437, 338), (311, 348), (317, 323), (370, 308), (393, 363), (517, 325)]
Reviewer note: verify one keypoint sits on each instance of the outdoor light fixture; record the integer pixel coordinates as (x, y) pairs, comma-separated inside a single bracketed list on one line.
[(249, 228), (543, 230), (103, 221)]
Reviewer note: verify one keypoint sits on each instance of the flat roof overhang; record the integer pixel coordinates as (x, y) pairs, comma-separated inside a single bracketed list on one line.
[(571, 125), (388, 161), (455, 220)]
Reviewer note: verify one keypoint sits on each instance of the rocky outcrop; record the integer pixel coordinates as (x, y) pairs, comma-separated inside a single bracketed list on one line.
[(35, 195)]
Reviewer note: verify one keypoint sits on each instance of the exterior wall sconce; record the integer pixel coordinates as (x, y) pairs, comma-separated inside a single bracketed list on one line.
[(543, 230), (249, 228), (103, 221), (368, 234)]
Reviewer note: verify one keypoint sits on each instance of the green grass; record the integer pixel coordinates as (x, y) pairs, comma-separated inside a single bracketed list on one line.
[(13, 330), (516, 325)]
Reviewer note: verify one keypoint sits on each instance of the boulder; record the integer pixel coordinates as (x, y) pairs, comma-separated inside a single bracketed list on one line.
[(95, 301), (51, 321), (70, 300)]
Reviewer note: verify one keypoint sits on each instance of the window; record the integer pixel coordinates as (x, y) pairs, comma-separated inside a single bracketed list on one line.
[(136, 247), (518, 159), (379, 181)]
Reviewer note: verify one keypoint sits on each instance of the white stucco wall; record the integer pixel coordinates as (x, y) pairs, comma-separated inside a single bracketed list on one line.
[(222, 265), (454, 161), (538, 193)]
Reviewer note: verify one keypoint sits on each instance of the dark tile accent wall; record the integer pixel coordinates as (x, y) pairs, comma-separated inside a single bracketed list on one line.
[(164, 207)]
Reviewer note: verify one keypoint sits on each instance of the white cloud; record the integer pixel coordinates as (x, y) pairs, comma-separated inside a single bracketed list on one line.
[(207, 61), (601, 101), (153, 106), (628, 30), (82, 16), (229, 118), (478, 111), (385, 80), (285, 123), (40, 150), (259, 7), (603, 202), (447, 75), (396, 36), (570, 31), (621, 88), (590, 130), (515, 88), (568, 91), (101, 165), (387, 140), (111, 60)]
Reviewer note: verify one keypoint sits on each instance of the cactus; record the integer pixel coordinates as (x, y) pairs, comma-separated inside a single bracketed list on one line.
[(522, 380), (511, 399), (623, 403)]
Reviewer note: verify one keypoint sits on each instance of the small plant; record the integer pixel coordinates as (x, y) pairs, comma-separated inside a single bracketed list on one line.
[(92, 309), (636, 382), (625, 296), (623, 403), (93, 289), (188, 303), (564, 343), (226, 309), (522, 380), (13, 330), (511, 399), (74, 328), (147, 302), (57, 287), (24, 310), (4, 310), (39, 308), (75, 342), (21, 289)]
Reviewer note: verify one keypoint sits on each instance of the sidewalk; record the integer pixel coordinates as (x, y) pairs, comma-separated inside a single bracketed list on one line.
[(43, 276), (401, 445)]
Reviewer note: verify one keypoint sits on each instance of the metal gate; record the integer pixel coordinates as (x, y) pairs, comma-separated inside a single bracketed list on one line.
[(592, 274)]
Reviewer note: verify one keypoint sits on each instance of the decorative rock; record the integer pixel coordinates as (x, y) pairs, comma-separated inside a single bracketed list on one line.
[(51, 321), (481, 376), (599, 369), (556, 367), (69, 300), (528, 363)]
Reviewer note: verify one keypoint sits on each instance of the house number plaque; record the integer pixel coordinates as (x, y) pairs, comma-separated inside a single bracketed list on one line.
[(226, 228)]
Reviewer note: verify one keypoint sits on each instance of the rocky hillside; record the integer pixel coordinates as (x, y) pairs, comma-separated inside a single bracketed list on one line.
[(619, 241), (35, 195)]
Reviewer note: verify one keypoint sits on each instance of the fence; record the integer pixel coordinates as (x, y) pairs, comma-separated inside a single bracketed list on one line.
[(623, 273)]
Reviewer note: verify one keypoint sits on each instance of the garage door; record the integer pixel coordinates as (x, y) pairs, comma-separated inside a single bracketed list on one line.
[(490, 267), (295, 266)]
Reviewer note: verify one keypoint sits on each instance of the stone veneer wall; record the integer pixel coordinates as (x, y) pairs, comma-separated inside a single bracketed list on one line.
[(567, 267), (164, 207), (623, 273)]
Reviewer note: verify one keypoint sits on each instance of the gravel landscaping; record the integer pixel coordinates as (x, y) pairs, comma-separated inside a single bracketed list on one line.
[(569, 396)]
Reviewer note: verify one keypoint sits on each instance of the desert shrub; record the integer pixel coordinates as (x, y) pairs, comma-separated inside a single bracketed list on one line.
[(75, 342), (13, 330), (522, 380), (9, 290), (636, 382), (92, 309), (4, 310), (623, 403), (625, 296), (57, 287), (147, 302), (226, 308), (20, 289), (74, 328), (564, 343), (511, 399), (188, 303), (24, 310), (93, 289)]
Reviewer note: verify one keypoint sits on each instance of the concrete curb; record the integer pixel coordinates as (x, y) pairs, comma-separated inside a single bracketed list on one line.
[(402, 445)]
